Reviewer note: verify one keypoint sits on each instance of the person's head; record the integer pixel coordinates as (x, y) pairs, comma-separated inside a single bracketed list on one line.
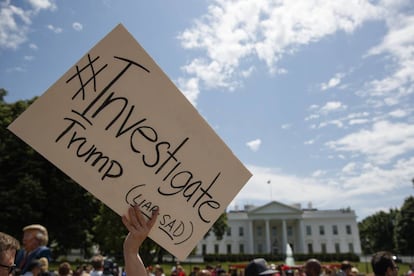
[(312, 267), (44, 264), (97, 262), (383, 264), (158, 270), (354, 271), (346, 267), (64, 269), (34, 235), (204, 272), (8, 248), (34, 267), (258, 267)]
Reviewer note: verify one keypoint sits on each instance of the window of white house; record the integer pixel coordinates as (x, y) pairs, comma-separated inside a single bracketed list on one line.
[(335, 229), (323, 247), (321, 230), (337, 248), (290, 231), (241, 231), (310, 248), (348, 229), (274, 231), (259, 231), (308, 230)]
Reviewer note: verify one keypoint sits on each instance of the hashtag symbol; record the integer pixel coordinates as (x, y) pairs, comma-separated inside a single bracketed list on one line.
[(80, 71)]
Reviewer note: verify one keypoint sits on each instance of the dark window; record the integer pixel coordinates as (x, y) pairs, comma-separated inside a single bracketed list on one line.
[(321, 230)]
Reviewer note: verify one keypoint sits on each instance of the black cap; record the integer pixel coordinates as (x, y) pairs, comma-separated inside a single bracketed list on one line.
[(258, 267)]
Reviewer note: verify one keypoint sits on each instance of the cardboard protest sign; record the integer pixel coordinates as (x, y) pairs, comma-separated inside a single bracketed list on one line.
[(118, 126)]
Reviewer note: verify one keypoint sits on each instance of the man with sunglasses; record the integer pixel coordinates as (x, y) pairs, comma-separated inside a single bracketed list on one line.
[(383, 264), (8, 248)]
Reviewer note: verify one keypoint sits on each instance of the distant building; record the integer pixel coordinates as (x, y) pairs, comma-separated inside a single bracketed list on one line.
[(269, 228)]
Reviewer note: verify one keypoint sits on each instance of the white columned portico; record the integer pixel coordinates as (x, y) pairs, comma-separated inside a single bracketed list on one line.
[(268, 242), (284, 236)]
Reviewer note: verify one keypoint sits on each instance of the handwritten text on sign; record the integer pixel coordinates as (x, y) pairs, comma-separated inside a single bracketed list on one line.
[(120, 128)]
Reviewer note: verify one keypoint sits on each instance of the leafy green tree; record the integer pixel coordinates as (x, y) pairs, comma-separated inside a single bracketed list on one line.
[(404, 230), (108, 231), (376, 232), (34, 191), (220, 226)]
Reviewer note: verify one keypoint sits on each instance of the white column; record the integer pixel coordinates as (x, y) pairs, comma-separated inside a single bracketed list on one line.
[(284, 236), (268, 242), (251, 242), (301, 237)]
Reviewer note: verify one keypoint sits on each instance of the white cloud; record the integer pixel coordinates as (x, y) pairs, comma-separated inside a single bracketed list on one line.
[(56, 30), (398, 113), (234, 31), (309, 142), (286, 126), (333, 82), (15, 21), (358, 121), (397, 44), (189, 87), (254, 145), (332, 106), (42, 5), (383, 142), (318, 173), (33, 46), (349, 168), (77, 26)]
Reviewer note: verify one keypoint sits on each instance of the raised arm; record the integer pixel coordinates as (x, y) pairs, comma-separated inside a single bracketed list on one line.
[(138, 228)]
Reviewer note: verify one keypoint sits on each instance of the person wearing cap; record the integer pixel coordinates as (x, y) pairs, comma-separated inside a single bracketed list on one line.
[(35, 239), (8, 247), (258, 267), (345, 269)]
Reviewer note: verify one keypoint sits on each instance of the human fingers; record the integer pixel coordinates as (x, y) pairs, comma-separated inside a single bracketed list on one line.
[(139, 216), (153, 219)]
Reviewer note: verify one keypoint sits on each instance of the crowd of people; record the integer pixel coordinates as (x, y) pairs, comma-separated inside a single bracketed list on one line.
[(32, 259)]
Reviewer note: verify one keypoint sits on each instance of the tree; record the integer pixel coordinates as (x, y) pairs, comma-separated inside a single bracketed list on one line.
[(34, 191), (376, 232), (220, 226), (404, 230)]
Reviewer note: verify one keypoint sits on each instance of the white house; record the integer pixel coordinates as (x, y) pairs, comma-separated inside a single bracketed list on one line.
[(269, 228)]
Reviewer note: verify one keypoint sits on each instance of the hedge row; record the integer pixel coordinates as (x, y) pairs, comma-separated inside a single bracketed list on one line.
[(323, 257)]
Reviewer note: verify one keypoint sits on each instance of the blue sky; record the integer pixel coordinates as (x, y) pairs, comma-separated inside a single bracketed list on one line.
[(315, 97)]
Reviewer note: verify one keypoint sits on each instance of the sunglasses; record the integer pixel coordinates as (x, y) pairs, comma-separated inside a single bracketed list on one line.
[(10, 268)]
